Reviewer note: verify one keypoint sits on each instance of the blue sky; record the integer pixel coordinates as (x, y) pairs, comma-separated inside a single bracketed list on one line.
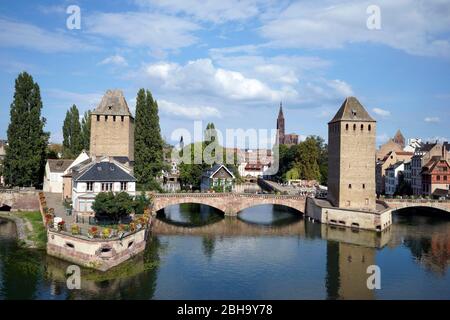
[(231, 62)]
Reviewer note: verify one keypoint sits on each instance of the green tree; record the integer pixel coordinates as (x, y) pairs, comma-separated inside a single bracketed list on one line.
[(113, 206), (86, 130), (141, 202), (24, 161), (148, 153), (72, 143)]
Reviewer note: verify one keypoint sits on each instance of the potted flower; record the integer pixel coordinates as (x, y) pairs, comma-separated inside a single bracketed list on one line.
[(93, 232), (48, 219), (132, 226), (106, 233), (123, 227), (75, 229), (61, 225)]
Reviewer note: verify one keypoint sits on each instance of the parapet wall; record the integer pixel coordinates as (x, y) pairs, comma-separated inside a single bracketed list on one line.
[(100, 254), (376, 221)]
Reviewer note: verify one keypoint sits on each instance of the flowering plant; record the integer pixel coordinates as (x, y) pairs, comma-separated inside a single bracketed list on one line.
[(106, 233), (61, 225), (93, 231), (75, 229)]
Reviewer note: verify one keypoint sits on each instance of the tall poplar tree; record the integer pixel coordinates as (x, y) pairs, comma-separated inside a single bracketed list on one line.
[(72, 143), (27, 142), (86, 130), (148, 145)]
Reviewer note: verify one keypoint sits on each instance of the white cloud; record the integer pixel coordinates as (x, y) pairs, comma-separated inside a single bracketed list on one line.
[(28, 36), (432, 119), (416, 27), (381, 112), (188, 112), (150, 30), (117, 60), (216, 11), (202, 77)]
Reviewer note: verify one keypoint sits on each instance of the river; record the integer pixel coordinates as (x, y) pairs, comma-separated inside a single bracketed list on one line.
[(269, 252)]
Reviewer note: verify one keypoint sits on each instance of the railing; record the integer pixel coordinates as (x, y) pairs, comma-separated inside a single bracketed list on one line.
[(226, 194)]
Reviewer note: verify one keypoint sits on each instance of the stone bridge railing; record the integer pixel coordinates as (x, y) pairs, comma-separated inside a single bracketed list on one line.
[(411, 203), (229, 203)]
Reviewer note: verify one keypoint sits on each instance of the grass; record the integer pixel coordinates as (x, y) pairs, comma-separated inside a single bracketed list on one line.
[(39, 233)]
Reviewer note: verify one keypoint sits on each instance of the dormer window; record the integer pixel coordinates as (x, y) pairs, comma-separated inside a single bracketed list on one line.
[(109, 107), (353, 112)]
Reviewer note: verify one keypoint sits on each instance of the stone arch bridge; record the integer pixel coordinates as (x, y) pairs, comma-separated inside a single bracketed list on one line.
[(229, 203), (397, 204)]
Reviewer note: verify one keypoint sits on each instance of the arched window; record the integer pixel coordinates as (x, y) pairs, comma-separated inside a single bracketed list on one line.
[(370, 127), (346, 127), (362, 127), (354, 127)]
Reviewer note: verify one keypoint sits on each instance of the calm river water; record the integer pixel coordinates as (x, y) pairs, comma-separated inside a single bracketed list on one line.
[(268, 252)]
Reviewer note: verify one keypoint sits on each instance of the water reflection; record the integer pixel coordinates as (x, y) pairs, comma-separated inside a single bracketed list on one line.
[(190, 215), (249, 258), (272, 215)]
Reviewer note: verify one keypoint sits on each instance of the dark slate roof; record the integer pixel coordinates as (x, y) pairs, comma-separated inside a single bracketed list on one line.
[(352, 110), (441, 192), (426, 147), (59, 165), (209, 172), (113, 103), (105, 171)]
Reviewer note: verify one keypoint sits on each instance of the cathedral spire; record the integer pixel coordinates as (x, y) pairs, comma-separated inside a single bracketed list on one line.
[(280, 113)]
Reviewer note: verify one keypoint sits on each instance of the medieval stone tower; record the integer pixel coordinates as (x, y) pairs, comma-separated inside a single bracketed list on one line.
[(351, 157), (112, 127)]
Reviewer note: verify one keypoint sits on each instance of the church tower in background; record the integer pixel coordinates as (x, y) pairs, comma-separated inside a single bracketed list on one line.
[(280, 126)]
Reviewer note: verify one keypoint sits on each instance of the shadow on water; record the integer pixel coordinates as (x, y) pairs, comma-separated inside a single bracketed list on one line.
[(189, 215)]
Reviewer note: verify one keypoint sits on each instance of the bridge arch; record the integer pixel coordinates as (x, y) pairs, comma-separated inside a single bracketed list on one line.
[(441, 210), (300, 209), (170, 201)]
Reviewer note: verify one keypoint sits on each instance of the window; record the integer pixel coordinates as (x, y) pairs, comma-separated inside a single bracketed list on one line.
[(89, 186), (114, 118), (369, 127), (362, 127), (123, 186), (349, 186), (438, 178), (346, 126), (364, 185), (121, 118), (106, 118), (98, 118), (107, 186), (354, 127), (445, 178)]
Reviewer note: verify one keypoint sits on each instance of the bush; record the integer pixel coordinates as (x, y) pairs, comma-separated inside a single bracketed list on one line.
[(114, 206), (75, 229)]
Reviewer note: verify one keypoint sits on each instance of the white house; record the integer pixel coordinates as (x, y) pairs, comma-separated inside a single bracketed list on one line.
[(392, 179), (103, 175), (413, 144), (55, 169)]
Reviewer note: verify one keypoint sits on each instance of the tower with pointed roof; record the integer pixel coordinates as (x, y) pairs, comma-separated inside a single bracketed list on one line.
[(351, 152), (112, 127), (399, 139), (280, 126)]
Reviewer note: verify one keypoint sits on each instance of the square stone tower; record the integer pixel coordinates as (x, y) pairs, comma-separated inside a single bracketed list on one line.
[(112, 127), (351, 157)]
